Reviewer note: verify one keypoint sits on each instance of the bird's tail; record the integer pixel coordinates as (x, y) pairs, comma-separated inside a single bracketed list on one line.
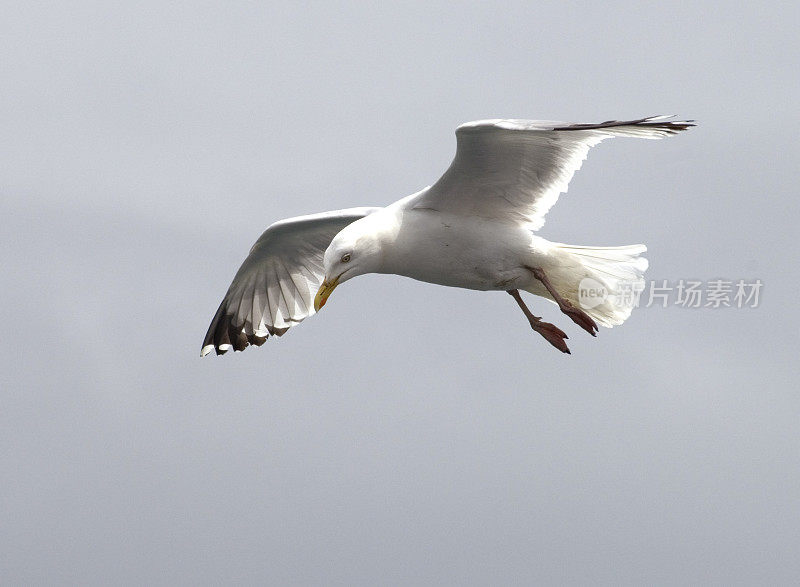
[(603, 281)]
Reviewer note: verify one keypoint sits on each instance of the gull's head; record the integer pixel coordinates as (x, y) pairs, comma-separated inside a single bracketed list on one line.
[(356, 250)]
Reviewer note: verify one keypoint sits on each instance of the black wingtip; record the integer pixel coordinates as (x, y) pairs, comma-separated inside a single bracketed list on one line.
[(224, 334), (657, 122), (256, 340)]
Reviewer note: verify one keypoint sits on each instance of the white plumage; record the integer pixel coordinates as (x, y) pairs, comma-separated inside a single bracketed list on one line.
[(474, 228)]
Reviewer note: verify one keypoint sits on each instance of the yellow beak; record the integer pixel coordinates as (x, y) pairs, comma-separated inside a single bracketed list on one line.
[(324, 292)]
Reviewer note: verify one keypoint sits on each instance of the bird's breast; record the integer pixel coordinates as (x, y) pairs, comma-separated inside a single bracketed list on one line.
[(457, 251)]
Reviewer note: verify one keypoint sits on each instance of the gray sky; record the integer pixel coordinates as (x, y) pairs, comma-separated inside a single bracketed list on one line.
[(409, 433)]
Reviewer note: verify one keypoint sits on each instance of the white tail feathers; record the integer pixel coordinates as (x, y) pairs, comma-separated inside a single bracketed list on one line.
[(604, 281)]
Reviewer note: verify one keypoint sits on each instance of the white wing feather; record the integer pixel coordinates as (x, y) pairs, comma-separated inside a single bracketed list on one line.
[(275, 286), (514, 170)]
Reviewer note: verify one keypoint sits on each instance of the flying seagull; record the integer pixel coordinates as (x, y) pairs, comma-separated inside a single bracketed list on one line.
[(474, 228)]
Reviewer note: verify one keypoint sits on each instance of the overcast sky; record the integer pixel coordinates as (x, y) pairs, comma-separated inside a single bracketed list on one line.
[(408, 434)]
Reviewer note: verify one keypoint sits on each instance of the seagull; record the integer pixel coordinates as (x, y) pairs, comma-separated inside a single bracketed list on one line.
[(475, 228)]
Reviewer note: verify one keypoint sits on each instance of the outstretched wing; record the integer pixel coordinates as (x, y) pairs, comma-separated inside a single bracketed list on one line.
[(275, 286), (514, 170)]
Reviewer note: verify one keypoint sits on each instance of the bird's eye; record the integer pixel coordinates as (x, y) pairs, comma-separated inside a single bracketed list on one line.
[(345, 257)]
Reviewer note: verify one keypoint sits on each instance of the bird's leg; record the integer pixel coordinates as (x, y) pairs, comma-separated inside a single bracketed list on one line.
[(578, 316), (551, 333)]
